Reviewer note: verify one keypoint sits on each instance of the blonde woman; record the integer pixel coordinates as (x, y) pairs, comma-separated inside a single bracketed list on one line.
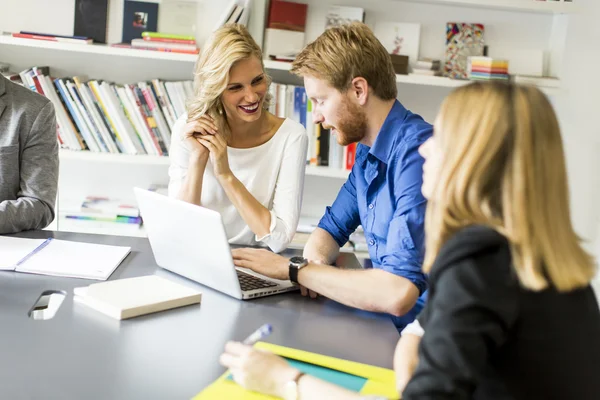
[(229, 154), (511, 313)]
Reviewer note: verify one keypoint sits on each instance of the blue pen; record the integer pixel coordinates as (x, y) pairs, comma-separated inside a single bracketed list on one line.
[(35, 251), (258, 334)]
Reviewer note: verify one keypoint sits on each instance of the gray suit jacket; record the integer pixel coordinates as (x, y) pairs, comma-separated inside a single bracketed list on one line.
[(28, 159)]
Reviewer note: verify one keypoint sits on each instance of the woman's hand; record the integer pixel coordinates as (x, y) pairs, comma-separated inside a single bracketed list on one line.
[(406, 358), (217, 145), (257, 370), (193, 131)]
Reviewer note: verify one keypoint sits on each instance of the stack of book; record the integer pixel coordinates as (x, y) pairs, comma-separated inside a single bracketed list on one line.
[(103, 209), (164, 42), (53, 38), (100, 116), (487, 68), (427, 66)]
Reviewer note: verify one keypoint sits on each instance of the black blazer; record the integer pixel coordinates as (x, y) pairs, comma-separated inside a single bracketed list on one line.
[(486, 337)]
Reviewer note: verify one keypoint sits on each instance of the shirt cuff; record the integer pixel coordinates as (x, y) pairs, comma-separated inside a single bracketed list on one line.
[(414, 328), (271, 228)]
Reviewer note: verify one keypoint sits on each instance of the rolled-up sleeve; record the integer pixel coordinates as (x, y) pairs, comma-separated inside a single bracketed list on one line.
[(287, 199), (406, 234), (342, 217)]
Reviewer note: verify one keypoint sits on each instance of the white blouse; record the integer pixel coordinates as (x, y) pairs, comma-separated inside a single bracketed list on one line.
[(272, 172)]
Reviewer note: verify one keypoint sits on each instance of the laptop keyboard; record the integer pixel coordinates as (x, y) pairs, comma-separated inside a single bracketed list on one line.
[(249, 282)]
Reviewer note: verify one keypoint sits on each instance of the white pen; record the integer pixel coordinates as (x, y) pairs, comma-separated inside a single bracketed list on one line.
[(258, 334)]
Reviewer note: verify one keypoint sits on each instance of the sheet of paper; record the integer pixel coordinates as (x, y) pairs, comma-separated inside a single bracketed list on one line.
[(76, 259), (13, 249)]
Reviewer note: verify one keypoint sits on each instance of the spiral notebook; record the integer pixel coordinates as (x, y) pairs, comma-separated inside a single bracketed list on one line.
[(60, 257)]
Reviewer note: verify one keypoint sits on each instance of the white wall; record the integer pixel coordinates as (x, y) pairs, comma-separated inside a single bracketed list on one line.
[(578, 112)]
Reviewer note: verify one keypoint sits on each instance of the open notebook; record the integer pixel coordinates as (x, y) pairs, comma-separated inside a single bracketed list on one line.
[(60, 257)]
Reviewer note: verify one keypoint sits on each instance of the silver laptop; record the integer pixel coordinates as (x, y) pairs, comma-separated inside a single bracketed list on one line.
[(190, 240)]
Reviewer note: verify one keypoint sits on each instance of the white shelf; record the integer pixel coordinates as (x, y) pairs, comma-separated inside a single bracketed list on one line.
[(411, 79), (113, 158), (547, 7), (89, 156), (98, 49)]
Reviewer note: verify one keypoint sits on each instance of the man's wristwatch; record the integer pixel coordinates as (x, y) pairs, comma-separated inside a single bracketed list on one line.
[(296, 263)]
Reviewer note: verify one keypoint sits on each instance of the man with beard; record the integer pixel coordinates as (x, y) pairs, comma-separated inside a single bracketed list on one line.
[(349, 77)]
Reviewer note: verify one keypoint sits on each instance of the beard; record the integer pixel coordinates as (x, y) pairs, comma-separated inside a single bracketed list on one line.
[(352, 125)]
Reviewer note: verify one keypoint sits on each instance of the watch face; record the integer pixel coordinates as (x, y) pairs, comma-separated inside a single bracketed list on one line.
[(297, 260)]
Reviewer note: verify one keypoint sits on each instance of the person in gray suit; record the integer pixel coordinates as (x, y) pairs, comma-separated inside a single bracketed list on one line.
[(28, 159)]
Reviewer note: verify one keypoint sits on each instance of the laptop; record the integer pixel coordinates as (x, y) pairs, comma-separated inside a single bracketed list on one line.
[(190, 240)]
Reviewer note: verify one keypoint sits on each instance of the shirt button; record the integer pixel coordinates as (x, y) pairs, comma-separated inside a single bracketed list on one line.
[(371, 242), (370, 206)]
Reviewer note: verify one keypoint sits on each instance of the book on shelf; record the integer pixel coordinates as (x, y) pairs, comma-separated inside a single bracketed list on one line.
[(338, 15), (138, 17), (101, 209), (235, 11), (104, 117), (462, 41), (191, 48), (91, 19), (178, 17), (53, 38)]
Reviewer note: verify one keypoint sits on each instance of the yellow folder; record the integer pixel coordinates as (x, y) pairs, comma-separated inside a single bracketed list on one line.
[(362, 378)]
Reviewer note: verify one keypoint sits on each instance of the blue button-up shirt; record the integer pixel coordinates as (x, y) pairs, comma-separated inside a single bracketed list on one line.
[(383, 194)]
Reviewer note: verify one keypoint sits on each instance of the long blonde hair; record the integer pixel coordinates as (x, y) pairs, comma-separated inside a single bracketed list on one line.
[(226, 46), (503, 166)]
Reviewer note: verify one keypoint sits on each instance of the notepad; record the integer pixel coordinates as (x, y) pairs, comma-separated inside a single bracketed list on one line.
[(60, 257), (361, 378), (132, 297)]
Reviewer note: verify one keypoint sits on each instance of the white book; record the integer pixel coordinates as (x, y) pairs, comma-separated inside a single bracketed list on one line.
[(152, 101), (235, 15), (60, 257), (87, 98), (123, 125), (227, 11), (90, 132), (136, 119), (77, 118), (66, 128), (245, 17), (132, 297)]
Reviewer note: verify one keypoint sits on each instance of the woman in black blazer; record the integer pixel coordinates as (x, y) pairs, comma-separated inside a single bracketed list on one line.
[(511, 314)]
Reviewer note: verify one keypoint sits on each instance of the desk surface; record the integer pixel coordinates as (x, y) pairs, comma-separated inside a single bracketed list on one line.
[(81, 353)]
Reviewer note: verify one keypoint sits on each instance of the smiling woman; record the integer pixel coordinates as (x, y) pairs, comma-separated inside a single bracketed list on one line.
[(229, 154)]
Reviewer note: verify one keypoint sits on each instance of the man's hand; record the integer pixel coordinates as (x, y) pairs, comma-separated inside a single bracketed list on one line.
[(262, 261)]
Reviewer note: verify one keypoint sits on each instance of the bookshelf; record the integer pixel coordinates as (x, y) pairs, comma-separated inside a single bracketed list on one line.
[(520, 23)]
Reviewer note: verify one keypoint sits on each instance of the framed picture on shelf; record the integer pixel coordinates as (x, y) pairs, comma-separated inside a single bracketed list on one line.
[(400, 38)]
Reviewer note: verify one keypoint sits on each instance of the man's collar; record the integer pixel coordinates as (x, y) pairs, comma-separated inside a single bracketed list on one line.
[(385, 138)]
